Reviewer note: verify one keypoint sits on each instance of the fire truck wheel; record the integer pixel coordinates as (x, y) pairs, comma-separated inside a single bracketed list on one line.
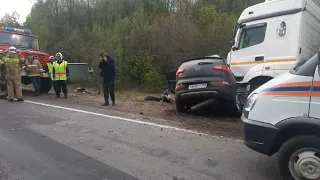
[(46, 85), (25, 80)]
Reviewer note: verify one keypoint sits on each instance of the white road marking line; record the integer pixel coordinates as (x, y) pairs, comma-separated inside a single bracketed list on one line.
[(123, 119)]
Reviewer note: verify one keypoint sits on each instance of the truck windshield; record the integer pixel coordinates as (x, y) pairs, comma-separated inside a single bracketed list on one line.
[(19, 41), (251, 36)]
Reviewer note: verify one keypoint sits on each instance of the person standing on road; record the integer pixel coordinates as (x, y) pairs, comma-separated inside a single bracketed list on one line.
[(107, 68), (2, 75), (49, 69), (13, 64), (60, 74), (34, 70)]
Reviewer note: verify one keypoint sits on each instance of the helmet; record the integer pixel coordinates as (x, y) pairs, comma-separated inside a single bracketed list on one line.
[(12, 49), (30, 54), (59, 55), (51, 58)]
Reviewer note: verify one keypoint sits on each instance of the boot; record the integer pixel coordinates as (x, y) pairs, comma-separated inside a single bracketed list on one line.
[(105, 104), (20, 99), (57, 95), (10, 100), (113, 103), (65, 96)]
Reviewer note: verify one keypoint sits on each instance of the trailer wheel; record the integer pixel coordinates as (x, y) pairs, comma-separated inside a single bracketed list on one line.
[(46, 85), (299, 158)]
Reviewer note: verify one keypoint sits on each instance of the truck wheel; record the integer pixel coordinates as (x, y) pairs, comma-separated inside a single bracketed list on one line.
[(299, 158), (25, 80), (46, 85), (180, 105)]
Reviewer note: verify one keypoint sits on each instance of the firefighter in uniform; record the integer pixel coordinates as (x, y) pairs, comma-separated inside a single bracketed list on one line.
[(2, 76), (13, 63), (34, 70), (49, 70), (60, 74)]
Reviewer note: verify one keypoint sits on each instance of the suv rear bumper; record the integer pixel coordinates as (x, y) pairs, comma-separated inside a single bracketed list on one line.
[(220, 92), (200, 94), (259, 136)]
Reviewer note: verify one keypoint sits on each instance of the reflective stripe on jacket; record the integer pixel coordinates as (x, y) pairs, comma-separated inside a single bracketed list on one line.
[(60, 70), (13, 65)]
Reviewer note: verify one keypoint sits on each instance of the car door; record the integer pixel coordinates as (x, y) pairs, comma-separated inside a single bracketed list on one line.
[(250, 48), (315, 95)]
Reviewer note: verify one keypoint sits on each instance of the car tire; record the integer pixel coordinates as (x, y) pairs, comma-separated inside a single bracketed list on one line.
[(235, 107), (290, 161), (180, 106), (46, 85)]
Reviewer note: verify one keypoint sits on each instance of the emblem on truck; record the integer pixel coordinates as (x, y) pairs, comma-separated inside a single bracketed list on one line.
[(282, 30)]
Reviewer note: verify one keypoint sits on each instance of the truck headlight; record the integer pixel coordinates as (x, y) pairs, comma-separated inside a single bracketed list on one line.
[(251, 102)]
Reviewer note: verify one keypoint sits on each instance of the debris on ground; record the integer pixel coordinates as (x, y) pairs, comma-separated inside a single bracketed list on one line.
[(166, 97), (203, 104), (86, 91)]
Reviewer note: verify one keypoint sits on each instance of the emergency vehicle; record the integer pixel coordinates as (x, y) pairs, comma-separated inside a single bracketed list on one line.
[(270, 38), (24, 41), (283, 116)]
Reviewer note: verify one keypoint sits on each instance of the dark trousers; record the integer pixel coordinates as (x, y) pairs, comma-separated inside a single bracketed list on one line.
[(54, 86), (108, 88), (36, 81), (60, 85)]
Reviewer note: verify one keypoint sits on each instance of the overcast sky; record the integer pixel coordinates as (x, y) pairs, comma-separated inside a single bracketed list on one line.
[(23, 7)]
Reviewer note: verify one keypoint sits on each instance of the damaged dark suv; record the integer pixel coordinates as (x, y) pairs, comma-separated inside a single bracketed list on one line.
[(206, 81)]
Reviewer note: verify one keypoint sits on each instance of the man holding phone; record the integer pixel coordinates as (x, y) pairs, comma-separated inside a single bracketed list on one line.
[(108, 72)]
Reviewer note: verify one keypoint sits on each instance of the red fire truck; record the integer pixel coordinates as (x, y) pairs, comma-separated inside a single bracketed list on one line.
[(24, 41)]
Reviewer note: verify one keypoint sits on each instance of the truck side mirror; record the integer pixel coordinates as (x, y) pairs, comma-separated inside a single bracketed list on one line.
[(234, 48), (231, 42)]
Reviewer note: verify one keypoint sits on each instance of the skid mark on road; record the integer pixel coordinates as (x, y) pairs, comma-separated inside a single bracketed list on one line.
[(124, 119)]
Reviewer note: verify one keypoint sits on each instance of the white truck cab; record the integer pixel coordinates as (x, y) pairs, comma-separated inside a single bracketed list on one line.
[(269, 38), (283, 116)]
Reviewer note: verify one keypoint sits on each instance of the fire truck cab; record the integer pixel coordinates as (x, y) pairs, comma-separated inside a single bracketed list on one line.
[(24, 41)]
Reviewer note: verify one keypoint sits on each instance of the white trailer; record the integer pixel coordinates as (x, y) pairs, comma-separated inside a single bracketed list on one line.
[(270, 38)]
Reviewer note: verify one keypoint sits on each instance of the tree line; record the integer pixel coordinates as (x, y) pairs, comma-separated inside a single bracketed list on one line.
[(146, 37)]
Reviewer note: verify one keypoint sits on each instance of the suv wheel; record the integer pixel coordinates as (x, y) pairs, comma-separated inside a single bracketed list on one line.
[(299, 158), (235, 107), (180, 105)]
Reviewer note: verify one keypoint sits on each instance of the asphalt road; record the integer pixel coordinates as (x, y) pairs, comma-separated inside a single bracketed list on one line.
[(49, 142)]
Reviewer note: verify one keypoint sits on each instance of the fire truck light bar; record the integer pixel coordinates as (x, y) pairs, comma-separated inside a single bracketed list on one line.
[(24, 31)]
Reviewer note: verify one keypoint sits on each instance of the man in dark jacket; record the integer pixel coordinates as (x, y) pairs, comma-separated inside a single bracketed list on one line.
[(108, 70)]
